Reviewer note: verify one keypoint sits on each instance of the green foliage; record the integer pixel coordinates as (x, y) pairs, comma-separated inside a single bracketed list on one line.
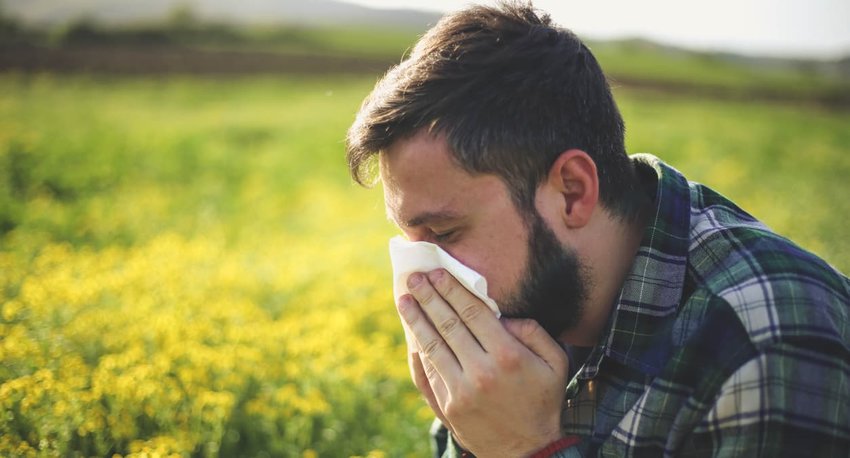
[(188, 269), (640, 62), (183, 30), (785, 164), (629, 62)]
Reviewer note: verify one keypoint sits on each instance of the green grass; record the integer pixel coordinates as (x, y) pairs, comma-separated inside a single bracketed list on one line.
[(70, 145), (77, 143), (200, 237), (639, 61), (387, 44), (785, 164), (142, 217), (627, 60), (356, 41)]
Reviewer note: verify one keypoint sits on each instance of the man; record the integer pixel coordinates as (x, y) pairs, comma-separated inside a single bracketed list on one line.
[(646, 315)]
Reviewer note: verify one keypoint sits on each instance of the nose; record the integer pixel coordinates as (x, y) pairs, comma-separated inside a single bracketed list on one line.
[(415, 235)]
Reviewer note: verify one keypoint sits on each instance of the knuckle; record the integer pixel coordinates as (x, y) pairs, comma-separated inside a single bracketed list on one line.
[(483, 380), (508, 358), (448, 326), (430, 371), (431, 347), (426, 295), (471, 311), (444, 285)]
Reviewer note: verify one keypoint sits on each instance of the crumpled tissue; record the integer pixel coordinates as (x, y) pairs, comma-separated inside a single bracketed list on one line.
[(409, 257)]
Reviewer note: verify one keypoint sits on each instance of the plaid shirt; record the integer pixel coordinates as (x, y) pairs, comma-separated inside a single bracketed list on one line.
[(726, 340)]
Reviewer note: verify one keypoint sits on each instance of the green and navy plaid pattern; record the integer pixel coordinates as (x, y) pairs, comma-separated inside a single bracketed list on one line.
[(726, 340)]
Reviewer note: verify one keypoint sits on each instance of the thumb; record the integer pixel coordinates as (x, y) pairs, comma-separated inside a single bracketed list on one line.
[(536, 339)]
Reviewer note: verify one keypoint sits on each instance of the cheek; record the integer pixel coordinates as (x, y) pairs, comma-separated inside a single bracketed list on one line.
[(504, 273), (502, 261)]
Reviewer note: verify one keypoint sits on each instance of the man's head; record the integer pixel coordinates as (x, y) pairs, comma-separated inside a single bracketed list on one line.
[(511, 92), (491, 104)]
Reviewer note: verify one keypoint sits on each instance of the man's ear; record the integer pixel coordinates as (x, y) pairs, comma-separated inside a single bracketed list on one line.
[(573, 177)]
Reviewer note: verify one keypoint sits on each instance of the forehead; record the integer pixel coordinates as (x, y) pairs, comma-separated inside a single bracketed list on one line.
[(420, 177)]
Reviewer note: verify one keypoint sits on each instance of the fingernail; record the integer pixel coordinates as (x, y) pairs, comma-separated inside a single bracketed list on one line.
[(414, 279), (435, 275), (405, 305), (405, 301)]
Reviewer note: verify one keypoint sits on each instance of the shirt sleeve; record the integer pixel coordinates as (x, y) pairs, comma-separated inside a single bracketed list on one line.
[(442, 442), (439, 436), (572, 452), (789, 400)]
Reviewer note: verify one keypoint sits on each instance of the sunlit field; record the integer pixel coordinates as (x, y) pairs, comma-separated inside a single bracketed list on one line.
[(187, 270)]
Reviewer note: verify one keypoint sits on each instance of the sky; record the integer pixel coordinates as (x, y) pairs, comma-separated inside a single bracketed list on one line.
[(781, 28)]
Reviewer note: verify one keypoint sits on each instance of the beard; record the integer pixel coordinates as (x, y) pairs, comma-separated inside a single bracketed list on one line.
[(553, 289)]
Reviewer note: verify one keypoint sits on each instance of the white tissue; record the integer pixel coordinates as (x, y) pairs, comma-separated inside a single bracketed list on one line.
[(409, 257)]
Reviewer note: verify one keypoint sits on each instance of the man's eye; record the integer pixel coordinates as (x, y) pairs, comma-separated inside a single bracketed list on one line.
[(444, 236)]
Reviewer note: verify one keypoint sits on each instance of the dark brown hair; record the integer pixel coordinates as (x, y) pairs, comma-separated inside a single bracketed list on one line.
[(511, 92)]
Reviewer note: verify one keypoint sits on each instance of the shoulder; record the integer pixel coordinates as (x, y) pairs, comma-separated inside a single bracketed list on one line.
[(776, 290), (769, 324)]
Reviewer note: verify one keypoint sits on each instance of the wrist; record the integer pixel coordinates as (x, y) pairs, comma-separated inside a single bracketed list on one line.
[(555, 447)]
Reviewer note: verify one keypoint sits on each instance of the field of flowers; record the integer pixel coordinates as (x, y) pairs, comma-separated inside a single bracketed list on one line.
[(186, 269)]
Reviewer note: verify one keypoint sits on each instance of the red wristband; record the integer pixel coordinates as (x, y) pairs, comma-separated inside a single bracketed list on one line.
[(557, 446)]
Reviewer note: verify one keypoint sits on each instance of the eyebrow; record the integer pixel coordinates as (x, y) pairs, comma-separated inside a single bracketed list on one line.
[(428, 218)]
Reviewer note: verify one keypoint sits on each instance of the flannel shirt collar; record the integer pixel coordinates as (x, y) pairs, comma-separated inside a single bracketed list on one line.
[(639, 328)]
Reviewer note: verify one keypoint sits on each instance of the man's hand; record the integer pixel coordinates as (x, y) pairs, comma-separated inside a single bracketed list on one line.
[(497, 385)]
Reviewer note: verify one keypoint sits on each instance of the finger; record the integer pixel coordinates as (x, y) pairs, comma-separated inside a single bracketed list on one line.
[(438, 386), (439, 390), (423, 382), (428, 339), (473, 311), (446, 321), (536, 339)]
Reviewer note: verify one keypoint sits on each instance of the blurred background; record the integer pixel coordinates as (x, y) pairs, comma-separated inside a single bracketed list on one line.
[(186, 268)]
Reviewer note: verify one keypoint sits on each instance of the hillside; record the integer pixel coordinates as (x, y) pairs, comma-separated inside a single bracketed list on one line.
[(323, 37), (243, 12)]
